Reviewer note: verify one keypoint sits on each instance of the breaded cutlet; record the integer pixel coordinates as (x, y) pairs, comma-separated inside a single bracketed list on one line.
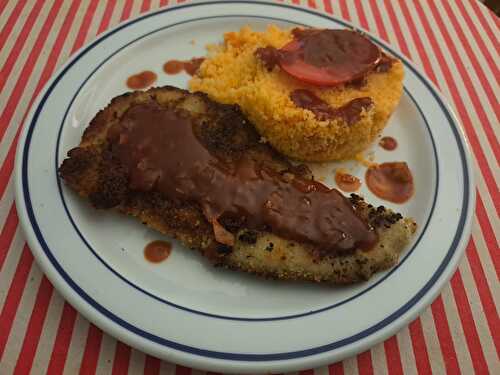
[(94, 172)]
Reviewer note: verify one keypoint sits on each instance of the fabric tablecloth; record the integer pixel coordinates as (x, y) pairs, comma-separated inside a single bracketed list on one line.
[(456, 44)]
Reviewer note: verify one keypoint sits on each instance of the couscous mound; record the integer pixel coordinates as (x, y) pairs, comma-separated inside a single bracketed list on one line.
[(233, 74)]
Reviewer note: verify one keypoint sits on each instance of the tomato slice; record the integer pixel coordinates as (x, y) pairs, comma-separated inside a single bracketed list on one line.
[(352, 63)]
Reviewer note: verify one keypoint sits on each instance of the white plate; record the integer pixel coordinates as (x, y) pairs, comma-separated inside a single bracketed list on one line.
[(184, 310)]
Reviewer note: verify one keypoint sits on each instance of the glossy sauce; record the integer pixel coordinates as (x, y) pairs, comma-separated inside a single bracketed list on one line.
[(347, 182), (388, 143), (242, 188), (141, 80), (350, 112), (177, 66), (157, 251), (391, 181)]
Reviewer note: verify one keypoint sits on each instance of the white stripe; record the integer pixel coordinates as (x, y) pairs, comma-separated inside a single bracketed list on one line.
[(10, 264), (462, 91), (6, 203), (29, 89), (106, 355), (76, 346), (18, 66), (486, 262), (336, 9), (16, 30), (391, 33), (321, 371), (48, 334), (406, 352), (481, 184), (73, 33), (432, 342), (350, 366), (456, 330), (137, 359), (167, 368), (353, 13), (479, 318), (471, 70), (378, 359), (23, 314), (489, 16)]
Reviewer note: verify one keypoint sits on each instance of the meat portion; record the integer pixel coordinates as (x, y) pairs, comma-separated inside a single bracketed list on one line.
[(97, 171)]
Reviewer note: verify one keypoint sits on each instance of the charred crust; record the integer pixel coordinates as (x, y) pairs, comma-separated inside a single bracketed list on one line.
[(249, 237)]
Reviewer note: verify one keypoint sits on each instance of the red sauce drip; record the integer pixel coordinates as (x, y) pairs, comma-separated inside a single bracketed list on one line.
[(157, 251), (350, 112), (189, 66), (391, 181), (242, 188), (141, 80), (388, 143), (347, 182)]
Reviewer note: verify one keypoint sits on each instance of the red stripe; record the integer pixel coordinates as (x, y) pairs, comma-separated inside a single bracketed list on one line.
[(146, 5), (127, 9), (484, 23), (311, 3), (361, 15), (13, 55), (336, 369), (151, 365), (397, 29), (488, 57), (9, 25), (91, 353), (181, 370), (418, 42), (488, 233), (365, 366), (471, 336), (85, 25), (3, 4), (8, 231), (490, 95), (419, 348), (459, 104), (27, 68), (14, 296), (344, 10), (163, 3), (327, 4), (106, 16), (484, 292), (8, 164), (378, 20), (122, 359), (62, 341), (444, 336), (393, 356), (34, 330)]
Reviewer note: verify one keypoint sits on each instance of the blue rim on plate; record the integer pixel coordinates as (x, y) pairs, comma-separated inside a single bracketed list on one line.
[(149, 294), (244, 356)]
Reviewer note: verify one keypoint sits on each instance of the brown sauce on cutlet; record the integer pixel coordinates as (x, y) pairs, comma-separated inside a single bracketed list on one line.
[(189, 66), (141, 80), (157, 251), (347, 182), (163, 152), (350, 112), (388, 143), (391, 181)]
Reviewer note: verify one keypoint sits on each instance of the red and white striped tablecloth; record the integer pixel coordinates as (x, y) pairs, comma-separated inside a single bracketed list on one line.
[(455, 42)]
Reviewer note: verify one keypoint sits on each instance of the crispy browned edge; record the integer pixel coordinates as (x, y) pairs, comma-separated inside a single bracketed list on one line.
[(92, 171)]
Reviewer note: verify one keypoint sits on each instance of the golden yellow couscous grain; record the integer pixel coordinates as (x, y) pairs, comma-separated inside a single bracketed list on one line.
[(233, 74)]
